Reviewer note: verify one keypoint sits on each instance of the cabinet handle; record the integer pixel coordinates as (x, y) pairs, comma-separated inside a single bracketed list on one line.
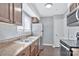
[(77, 15)]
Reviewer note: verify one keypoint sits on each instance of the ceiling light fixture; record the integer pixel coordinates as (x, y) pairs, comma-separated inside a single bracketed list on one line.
[(48, 5)]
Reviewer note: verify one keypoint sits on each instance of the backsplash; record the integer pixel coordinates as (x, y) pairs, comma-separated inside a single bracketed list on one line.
[(5, 27), (72, 32), (7, 30)]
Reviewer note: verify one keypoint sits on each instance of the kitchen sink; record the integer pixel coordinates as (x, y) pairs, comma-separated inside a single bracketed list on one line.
[(27, 40)]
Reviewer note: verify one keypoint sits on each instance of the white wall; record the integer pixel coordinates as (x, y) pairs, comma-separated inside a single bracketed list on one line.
[(34, 9), (48, 30), (58, 29), (30, 10)]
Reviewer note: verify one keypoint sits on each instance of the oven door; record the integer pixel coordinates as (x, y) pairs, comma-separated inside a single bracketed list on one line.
[(64, 51)]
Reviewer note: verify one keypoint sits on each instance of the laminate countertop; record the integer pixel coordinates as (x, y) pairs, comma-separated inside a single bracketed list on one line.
[(14, 48), (11, 49)]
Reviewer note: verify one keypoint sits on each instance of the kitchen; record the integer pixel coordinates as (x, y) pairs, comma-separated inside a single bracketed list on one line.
[(39, 29)]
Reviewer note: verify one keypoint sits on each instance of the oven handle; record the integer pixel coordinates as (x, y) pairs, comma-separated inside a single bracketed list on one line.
[(65, 47)]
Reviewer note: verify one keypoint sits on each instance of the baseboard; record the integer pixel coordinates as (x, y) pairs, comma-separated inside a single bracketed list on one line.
[(47, 44), (54, 46)]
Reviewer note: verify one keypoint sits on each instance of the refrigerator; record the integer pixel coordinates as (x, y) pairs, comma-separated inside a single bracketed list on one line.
[(37, 28)]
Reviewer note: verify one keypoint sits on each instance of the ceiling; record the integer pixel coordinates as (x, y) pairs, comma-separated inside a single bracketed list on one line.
[(56, 9)]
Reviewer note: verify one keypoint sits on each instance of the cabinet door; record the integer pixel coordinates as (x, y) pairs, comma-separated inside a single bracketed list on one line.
[(33, 49), (73, 6), (28, 51), (5, 12), (37, 47), (25, 52), (17, 13), (22, 53), (11, 13), (35, 20), (33, 52)]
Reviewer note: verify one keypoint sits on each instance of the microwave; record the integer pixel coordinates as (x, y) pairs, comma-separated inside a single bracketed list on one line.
[(73, 18)]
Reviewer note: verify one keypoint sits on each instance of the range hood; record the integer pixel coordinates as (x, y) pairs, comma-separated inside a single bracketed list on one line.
[(73, 18)]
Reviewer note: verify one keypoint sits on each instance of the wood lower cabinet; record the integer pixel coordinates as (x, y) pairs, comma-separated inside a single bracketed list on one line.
[(32, 50), (35, 48), (22, 53), (25, 52)]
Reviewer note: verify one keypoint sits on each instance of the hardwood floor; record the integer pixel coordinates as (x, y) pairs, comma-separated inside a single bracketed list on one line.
[(50, 51)]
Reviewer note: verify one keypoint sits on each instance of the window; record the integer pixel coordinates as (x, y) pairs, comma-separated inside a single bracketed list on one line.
[(26, 22)]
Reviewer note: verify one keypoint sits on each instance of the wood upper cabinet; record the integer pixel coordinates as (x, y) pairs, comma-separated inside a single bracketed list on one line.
[(17, 7), (11, 13), (73, 6), (35, 20), (5, 12)]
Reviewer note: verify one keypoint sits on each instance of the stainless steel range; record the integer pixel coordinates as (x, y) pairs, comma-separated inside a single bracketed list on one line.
[(69, 47), (77, 35)]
